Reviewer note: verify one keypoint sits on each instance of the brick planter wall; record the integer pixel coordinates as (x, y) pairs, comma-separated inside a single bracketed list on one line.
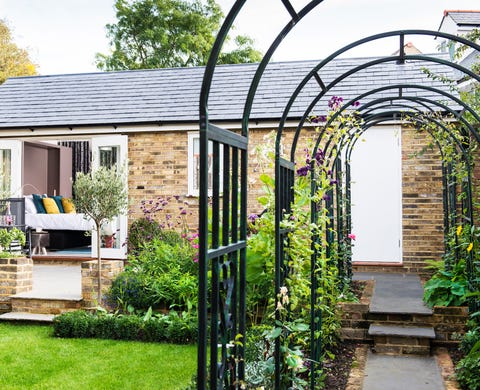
[(110, 270), (355, 316), (15, 278), (449, 322)]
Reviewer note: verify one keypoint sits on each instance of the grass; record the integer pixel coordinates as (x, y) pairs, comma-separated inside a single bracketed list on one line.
[(30, 358)]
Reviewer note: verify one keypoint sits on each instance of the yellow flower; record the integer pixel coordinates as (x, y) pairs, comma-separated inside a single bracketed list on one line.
[(459, 230), (470, 247)]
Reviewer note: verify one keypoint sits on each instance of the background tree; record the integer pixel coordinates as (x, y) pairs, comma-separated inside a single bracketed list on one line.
[(101, 195), (168, 33), (14, 61)]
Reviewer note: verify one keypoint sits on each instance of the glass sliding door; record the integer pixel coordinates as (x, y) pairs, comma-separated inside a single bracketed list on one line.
[(111, 151)]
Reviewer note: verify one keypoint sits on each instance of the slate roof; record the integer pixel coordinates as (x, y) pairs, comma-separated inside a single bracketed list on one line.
[(171, 95), (464, 18)]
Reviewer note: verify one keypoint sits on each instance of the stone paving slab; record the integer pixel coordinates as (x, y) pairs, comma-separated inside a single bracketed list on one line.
[(396, 293), (385, 372), (402, 331), (21, 316)]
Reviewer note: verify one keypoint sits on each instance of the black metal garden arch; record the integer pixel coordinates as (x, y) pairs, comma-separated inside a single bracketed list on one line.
[(223, 210)]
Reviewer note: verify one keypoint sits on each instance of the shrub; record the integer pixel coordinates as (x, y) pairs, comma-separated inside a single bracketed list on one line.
[(129, 288), (181, 330), (467, 371), (128, 327), (73, 324), (160, 327), (140, 231), (162, 272), (155, 329), (447, 287)]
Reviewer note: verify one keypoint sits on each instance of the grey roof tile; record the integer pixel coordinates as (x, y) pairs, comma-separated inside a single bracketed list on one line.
[(172, 95), (469, 18)]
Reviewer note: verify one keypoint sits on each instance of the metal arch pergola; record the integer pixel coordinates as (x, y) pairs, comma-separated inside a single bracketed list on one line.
[(223, 210)]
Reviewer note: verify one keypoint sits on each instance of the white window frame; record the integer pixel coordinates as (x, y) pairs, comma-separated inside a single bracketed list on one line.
[(120, 141), (192, 189), (16, 148)]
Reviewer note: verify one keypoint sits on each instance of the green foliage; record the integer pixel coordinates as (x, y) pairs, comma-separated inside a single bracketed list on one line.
[(7, 236), (100, 194), (162, 272), (468, 369), (129, 289), (447, 288), (142, 230), (158, 327), (449, 284), (167, 33), (306, 237)]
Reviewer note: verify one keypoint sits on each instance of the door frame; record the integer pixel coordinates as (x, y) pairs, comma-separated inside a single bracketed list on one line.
[(122, 142)]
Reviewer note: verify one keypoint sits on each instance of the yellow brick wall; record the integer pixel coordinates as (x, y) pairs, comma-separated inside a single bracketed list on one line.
[(422, 200), (158, 168)]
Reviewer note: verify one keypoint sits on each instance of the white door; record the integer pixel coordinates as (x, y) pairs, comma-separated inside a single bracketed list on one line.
[(11, 168), (111, 151), (377, 196)]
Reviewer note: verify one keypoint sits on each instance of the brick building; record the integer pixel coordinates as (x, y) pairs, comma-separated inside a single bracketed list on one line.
[(151, 118)]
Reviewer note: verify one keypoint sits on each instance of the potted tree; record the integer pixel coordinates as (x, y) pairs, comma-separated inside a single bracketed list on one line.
[(100, 195)]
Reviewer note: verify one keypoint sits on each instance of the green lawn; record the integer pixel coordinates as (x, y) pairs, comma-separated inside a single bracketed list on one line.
[(30, 358)]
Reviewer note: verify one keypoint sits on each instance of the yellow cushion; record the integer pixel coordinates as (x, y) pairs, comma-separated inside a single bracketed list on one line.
[(50, 205), (68, 206)]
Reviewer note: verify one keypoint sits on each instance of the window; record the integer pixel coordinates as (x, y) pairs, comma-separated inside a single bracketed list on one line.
[(5, 171), (10, 168), (194, 164)]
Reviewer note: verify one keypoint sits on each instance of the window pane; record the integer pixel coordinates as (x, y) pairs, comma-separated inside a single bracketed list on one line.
[(108, 156), (5, 171)]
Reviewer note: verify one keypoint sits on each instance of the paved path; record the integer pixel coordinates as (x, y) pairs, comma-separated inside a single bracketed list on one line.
[(384, 372), (396, 293), (399, 293)]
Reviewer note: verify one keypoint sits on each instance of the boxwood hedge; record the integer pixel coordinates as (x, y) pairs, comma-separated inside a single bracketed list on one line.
[(154, 328)]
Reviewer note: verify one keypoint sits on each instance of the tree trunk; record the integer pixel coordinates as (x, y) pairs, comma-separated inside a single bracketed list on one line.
[(99, 265)]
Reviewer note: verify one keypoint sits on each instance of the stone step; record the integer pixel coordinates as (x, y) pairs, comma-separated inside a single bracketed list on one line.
[(23, 316), (401, 339), (402, 331), (44, 305)]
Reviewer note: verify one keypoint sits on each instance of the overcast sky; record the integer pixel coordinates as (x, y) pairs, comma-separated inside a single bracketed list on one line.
[(63, 36)]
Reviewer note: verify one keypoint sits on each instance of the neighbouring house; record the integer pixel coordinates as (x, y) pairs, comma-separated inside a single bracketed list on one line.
[(460, 23)]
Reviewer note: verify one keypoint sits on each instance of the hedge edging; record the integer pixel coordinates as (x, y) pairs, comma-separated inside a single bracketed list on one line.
[(159, 328)]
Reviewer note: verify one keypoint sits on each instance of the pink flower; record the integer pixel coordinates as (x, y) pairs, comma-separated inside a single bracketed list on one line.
[(352, 236)]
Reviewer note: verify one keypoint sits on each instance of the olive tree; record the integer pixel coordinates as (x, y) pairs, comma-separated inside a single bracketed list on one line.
[(101, 195)]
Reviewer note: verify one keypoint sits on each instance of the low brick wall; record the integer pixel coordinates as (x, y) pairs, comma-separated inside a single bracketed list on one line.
[(15, 278), (449, 323), (110, 270), (355, 321)]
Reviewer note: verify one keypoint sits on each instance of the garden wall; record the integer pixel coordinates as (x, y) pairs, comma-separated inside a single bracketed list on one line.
[(15, 278), (110, 269)]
